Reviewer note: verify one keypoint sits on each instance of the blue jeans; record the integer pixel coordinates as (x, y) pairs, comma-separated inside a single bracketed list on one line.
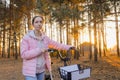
[(39, 76)]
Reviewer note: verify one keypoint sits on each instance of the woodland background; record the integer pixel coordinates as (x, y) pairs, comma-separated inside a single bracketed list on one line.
[(66, 21)]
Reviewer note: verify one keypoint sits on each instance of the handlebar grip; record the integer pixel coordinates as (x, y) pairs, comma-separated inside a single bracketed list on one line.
[(72, 48), (52, 50)]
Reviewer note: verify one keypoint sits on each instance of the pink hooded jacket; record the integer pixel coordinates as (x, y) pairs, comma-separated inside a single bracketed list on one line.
[(30, 51)]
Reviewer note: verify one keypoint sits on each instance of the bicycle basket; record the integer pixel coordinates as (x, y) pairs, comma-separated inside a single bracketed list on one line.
[(74, 72)]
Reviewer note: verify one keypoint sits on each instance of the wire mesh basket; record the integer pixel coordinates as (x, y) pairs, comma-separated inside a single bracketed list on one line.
[(74, 72)]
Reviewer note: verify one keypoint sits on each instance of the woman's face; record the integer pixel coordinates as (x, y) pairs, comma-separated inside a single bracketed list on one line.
[(37, 24)]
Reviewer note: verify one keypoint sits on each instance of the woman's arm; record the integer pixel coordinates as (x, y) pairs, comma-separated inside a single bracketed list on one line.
[(57, 45)]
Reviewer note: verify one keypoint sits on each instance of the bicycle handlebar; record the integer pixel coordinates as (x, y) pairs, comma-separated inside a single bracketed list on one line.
[(65, 59), (55, 50)]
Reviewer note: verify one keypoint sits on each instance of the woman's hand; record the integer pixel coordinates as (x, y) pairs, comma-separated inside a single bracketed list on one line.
[(72, 48), (42, 46)]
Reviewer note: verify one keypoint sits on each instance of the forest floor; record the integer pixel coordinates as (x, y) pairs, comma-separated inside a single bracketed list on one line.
[(107, 68)]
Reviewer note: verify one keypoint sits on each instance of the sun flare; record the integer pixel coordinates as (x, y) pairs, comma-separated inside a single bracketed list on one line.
[(110, 35)]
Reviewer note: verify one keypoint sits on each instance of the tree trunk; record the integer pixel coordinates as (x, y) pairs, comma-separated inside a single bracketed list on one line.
[(28, 21), (61, 32), (15, 46), (9, 44), (104, 40), (95, 42), (4, 25), (67, 31), (117, 29), (99, 34), (90, 36)]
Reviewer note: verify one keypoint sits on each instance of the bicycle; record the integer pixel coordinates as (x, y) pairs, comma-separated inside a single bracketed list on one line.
[(68, 72)]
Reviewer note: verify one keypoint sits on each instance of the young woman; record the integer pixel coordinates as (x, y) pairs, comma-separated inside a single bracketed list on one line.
[(34, 48)]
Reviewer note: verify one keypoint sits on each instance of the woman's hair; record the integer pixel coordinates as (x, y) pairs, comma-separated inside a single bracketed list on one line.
[(36, 17)]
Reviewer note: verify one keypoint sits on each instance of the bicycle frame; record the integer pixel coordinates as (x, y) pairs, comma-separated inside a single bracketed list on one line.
[(64, 59), (69, 72)]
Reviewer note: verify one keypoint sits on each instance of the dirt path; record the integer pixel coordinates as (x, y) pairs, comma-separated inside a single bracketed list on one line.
[(114, 60), (105, 69)]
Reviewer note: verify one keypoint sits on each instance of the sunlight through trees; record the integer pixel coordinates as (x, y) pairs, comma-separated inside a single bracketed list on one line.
[(72, 22)]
